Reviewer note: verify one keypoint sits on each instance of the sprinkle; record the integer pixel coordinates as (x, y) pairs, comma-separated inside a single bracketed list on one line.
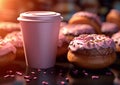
[(62, 83), (6, 76), (35, 78), (67, 79), (10, 71), (44, 83), (86, 74), (19, 73), (95, 77), (33, 72), (12, 76), (27, 80), (44, 72), (26, 77)]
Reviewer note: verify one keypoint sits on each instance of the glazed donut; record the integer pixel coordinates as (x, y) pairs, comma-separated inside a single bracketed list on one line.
[(74, 30), (16, 39), (84, 17), (92, 51), (7, 53), (109, 28), (116, 38), (114, 17), (8, 27)]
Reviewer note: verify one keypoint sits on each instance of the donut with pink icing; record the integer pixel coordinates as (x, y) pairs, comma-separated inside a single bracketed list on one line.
[(92, 51), (17, 40), (109, 28), (84, 17), (7, 53), (62, 47), (62, 24), (116, 38), (74, 30)]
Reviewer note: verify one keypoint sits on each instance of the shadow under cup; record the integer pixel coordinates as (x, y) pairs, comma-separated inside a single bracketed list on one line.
[(40, 31)]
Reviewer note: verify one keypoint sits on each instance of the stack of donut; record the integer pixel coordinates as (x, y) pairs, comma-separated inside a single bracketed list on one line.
[(89, 42), (85, 40), (80, 23)]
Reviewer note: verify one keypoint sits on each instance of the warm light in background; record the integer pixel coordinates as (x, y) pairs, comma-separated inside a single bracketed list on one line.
[(10, 9)]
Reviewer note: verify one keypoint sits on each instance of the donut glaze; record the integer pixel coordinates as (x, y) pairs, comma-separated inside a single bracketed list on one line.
[(6, 47), (92, 41), (77, 29), (15, 38), (89, 15), (116, 38), (109, 27)]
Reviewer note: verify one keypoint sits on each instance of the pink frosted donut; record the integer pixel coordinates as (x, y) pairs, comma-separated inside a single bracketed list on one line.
[(84, 17), (109, 28), (116, 38), (7, 53), (62, 24), (92, 51), (62, 47), (74, 30), (17, 40)]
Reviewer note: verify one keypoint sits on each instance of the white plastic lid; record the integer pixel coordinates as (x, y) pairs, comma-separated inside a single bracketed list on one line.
[(40, 16)]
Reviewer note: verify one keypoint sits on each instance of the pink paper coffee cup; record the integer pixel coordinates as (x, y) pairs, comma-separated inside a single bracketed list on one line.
[(40, 31)]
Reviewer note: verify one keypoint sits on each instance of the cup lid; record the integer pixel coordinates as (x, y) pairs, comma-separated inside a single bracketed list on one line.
[(40, 16)]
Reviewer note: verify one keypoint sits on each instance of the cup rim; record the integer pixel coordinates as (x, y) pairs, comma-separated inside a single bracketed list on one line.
[(39, 16)]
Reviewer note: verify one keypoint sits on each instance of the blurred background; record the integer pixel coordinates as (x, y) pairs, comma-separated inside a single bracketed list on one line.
[(10, 9)]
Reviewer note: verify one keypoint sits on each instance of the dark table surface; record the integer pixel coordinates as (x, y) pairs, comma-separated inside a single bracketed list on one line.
[(63, 73)]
